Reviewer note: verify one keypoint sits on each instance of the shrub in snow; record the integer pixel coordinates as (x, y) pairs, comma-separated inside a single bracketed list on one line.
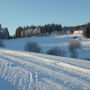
[(32, 46), (2, 43), (73, 46), (56, 51)]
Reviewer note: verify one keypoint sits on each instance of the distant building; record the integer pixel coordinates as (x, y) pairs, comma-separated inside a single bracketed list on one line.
[(4, 34), (78, 31)]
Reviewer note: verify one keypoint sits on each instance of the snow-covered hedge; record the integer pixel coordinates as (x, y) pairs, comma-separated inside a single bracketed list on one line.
[(73, 46), (32, 46), (56, 51)]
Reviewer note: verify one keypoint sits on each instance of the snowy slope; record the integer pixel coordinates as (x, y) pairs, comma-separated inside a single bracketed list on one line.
[(50, 42), (31, 71)]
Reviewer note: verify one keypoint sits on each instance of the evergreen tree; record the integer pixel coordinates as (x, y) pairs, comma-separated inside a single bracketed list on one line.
[(18, 32), (87, 32)]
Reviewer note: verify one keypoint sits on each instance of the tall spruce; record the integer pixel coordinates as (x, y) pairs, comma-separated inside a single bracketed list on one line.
[(18, 32), (87, 32)]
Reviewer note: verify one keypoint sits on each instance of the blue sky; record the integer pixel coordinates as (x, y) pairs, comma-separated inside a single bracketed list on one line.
[(14, 13)]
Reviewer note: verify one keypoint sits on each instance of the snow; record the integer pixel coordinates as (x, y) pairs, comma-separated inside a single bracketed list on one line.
[(20, 70), (49, 42), (31, 71)]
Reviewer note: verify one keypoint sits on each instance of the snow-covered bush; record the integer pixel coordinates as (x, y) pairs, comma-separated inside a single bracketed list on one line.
[(56, 51), (73, 46), (32, 46), (2, 43)]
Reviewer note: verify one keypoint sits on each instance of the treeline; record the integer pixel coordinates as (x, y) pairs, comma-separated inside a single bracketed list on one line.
[(46, 30), (37, 30)]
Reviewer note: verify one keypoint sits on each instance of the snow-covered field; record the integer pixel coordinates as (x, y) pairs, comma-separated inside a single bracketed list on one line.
[(20, 70), (47, 43), (31, 71)]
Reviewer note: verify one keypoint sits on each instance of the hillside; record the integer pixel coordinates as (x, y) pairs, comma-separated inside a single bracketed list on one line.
[(49, 42), (31, 71)]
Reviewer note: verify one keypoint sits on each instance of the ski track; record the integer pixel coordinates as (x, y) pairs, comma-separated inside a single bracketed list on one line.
[(31, 72)]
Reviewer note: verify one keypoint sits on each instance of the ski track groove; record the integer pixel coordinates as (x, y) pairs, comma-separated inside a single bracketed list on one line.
[(85, 72), (56, 76), (48, 65)]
